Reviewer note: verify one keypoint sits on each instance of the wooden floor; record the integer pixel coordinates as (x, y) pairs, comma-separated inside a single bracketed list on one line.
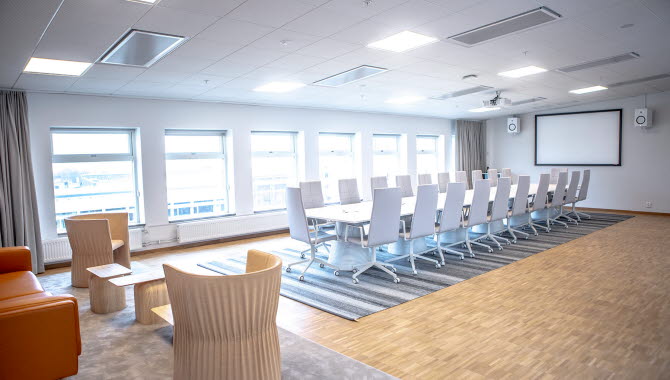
[(596, 307)]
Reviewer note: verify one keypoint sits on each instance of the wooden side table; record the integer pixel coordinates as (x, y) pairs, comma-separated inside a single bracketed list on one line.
[(150, 291), (105, 297)]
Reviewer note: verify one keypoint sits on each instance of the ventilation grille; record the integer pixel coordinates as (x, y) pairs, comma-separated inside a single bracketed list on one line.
[(349, 76), (467, 91), (526, 101), (141, 49), (506, 26), (641, 80), (599, 62)]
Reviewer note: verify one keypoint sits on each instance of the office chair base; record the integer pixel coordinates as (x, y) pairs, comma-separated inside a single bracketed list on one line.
[(379, 265)]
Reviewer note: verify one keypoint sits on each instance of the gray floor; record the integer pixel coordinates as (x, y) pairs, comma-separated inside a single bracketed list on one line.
[(117, 347)]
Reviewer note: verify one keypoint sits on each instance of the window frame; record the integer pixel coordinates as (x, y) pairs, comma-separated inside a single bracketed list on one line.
[(223, 134), (434, 153), (107, 157), (397, 152), (339, 153), (270, 154)]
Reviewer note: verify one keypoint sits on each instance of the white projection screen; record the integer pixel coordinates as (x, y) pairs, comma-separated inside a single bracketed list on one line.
[(591, 138)]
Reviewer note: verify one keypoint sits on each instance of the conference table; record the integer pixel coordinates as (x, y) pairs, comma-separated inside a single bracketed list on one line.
[(347, 255)]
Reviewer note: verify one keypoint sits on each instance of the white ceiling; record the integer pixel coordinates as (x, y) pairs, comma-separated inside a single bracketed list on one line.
[(234, 46)]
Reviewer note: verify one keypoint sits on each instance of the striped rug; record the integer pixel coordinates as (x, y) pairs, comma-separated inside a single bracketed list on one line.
[(376, 292)]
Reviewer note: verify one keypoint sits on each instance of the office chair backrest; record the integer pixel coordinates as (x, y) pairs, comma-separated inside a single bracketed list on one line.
[(493, 177), (540, 200), (312, 196), (425, 179), (554, 175), (476, 176), (461, 176), (452, 213), (479, 208), (442, 181), (571, 194), (583, 190), (378, 183), (425, 209), (349, 191), (385, 219), (297, 220), (520, 205), (501, 201), (559, 193), (506, 172), (404, 182)]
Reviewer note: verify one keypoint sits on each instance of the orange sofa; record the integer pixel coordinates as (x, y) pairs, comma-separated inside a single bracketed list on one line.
[(39, 332)]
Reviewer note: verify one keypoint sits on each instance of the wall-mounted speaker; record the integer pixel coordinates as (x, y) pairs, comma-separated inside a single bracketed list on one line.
[(513, 125), (642, 118)]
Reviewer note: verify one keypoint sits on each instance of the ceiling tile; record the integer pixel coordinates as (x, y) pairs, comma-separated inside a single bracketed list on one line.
[(38, 82), (104, 71), (228, 30), (162, 76), (97, 86), (286, 41), (183, 64), (210, 7), (323, 22), (411, 14), (274, 13), (174, 21), (199, 48), (295, 62), (328, 48), (210, 81)]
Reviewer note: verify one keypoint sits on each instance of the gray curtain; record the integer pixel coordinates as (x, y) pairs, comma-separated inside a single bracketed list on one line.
[(19, 222), (470, 147)]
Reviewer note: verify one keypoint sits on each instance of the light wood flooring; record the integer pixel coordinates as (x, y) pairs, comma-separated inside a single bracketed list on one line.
[(596, 307)]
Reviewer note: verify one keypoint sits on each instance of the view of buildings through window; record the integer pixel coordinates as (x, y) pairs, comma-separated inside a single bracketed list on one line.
[(274, 167)]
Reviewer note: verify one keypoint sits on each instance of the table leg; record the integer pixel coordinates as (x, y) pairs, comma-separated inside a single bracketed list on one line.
[(105, 297), (147, 296)]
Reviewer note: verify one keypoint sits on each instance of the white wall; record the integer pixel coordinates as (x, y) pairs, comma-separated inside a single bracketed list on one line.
[(152, 117), (645, 171)]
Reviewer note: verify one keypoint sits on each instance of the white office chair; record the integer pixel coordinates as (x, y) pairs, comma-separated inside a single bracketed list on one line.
[(442, 181), (312, 196), (378, 183), (478, 214), (499, 212), (538, 206), (476, 176), (384, 226), (413, 241), (461, 176), (299, 230), (518, 215), (570, 197), (506, 172), (583, 191), (557, 200), (451, 220), (349, 191), (425, 179), (493, 177), (554, 174), (404, 182)]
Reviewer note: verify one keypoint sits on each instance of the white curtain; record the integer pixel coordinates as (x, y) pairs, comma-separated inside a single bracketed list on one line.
[(470, 147)]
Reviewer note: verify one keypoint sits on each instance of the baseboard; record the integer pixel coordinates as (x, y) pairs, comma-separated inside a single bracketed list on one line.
[(629, 212), (177, 246)]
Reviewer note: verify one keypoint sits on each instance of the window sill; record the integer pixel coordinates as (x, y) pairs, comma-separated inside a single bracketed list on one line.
[(204, 218)]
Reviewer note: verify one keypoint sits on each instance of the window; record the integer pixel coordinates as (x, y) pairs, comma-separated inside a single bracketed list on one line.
[(196, 174), (336, 161), (274, 166), (94, 170), (385, 155), (427, 156)]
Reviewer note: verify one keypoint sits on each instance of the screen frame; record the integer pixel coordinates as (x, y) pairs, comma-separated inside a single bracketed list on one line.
[(620, 110)]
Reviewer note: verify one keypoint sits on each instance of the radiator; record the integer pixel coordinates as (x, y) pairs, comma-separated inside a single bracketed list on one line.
[(59, 249), (228, 227)]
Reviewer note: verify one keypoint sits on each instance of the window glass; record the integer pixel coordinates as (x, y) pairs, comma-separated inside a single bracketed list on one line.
[(336, 161), (274, 167)]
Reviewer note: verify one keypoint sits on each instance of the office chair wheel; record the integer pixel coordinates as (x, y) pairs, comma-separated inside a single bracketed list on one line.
[(396, 280), (508, 243), (491, 250), (438, 266), (301, 278), (302, 255), (354, 270), (393, 269), (442, 263), (415, 273), (355, 281), (288, 269), (321, 265), (336, 273), (499, 248)]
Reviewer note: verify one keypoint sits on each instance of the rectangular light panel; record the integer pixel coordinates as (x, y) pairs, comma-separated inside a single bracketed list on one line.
[(599, 62), (349, 76), (56, 67), (403, 41), (586, 90), (522, 72), (141, 49)]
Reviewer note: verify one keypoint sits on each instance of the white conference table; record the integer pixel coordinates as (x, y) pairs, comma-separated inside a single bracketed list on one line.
[(348, 255)]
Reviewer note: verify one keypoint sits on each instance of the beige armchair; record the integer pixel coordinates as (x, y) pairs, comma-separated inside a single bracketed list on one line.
[(225, 326), (97, 239)]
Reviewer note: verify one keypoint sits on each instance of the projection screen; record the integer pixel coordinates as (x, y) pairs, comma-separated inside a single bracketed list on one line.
[(590, 138)]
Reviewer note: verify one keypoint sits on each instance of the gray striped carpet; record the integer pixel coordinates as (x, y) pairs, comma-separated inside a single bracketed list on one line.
[(376, 292)]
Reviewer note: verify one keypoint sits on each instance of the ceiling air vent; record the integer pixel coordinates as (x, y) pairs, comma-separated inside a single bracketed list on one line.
[(141, 49), (599, 62), (349, 76), (506, 26), (467, 91), (640, 80), (527, 101)]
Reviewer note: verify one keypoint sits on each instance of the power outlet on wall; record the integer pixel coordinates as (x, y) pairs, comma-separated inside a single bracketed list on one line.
[(647, 204)]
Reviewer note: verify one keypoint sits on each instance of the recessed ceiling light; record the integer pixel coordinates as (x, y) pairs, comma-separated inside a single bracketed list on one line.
[(358, 73), (279, 87), (407, 99), (522, 72), (403, 41), (56, 67), (588, 89), (140, 48), (145, 1), (484, 109)]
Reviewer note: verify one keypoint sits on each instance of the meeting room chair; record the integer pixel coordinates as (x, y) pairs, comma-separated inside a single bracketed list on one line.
[(425, 179), (476, 176), (538, 206), (404, 182), (97, 239), (554, 174), (378, 183), (225, 327), (312, 197), (499, 212), (478, 214), (557, 200), (570, 197), (506, 172), (461, 176), (413, 237), (493, 177), (348, 189), (451, 221), (583, 191), (442, 181), (299, 230), (383, 229), (518, 216)]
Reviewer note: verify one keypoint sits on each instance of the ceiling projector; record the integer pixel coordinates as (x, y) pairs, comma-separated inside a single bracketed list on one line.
[(497, 101)]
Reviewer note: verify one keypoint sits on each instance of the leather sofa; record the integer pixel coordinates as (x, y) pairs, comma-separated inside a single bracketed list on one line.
[(39, 332)]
